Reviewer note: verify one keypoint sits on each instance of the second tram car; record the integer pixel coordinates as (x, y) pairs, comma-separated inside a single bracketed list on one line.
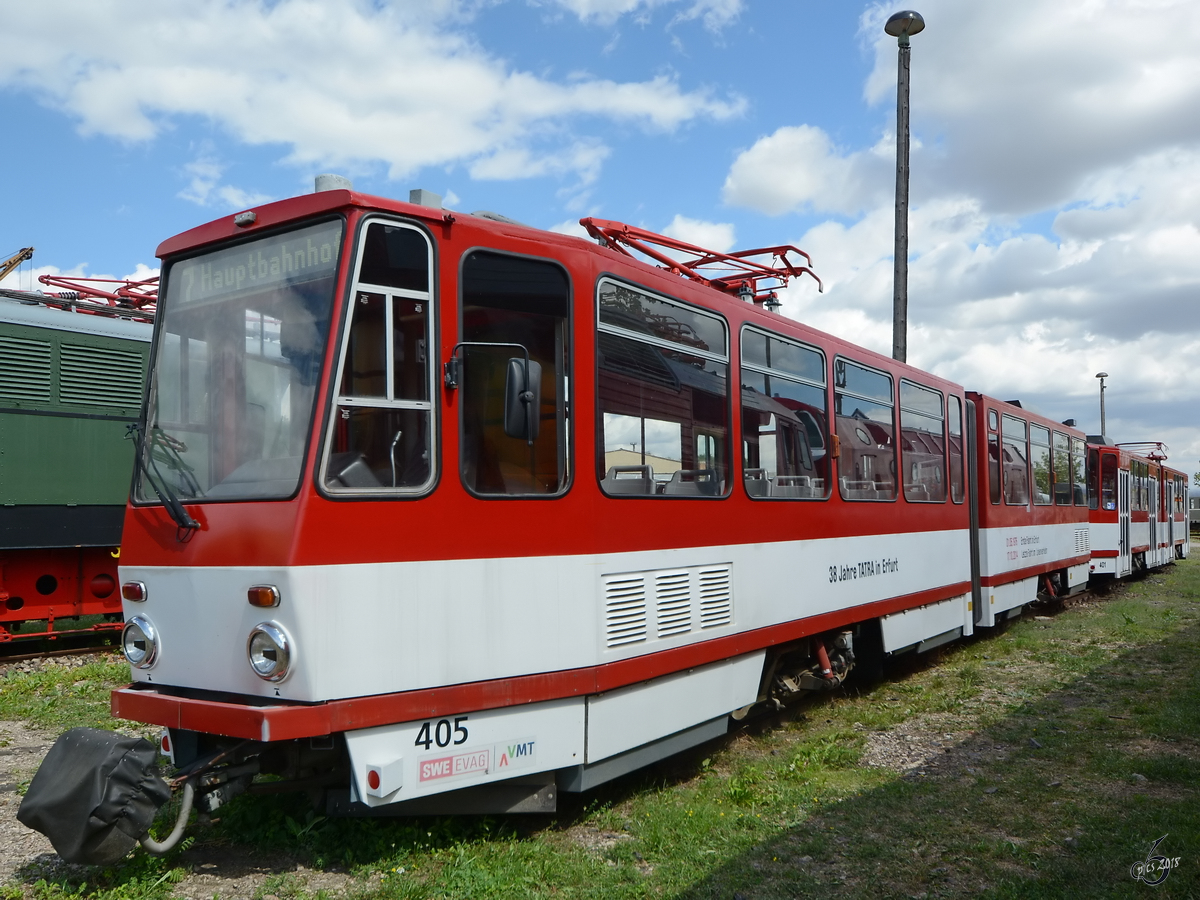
[(438, 511), (1138, 520), (1033, 508)]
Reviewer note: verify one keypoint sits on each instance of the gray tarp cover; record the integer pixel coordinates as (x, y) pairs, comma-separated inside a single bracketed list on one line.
[(95, 794)]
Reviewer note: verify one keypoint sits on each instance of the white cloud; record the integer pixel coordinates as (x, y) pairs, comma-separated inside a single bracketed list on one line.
[(707, 235), (27, 278), (205, 188), (1030, 97), (342, 83), (1082, 113), (798, 168), (606, 12), (714, 14), (570, 226)]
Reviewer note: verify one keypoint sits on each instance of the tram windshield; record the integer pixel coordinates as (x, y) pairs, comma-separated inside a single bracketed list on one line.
[(237, 365)]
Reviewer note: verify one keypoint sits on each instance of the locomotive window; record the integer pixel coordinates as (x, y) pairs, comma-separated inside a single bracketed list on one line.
[(662, 382), (863, 410), (1039, 456), (1078, 478), (922, 438), (1015, 462), (513, 300), (783, 418), (1108, 481), (955, 446), (380, 435), (1062, 470)]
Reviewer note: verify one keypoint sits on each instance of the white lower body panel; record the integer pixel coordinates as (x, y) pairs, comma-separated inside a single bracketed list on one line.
[(394, 763), (1001, 598), (914, 626)]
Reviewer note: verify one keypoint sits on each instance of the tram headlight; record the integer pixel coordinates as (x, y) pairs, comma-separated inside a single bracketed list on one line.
[(139, 641), (269, 651)]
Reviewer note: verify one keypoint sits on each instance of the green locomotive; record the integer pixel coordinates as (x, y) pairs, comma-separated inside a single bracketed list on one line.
[(72, 376)]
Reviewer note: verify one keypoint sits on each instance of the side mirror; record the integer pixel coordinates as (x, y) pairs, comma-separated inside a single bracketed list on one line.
[(523, 399)]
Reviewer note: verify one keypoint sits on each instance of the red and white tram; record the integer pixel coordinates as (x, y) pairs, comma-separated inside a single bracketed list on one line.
[(439, 511), (1033, 508), (1138, 519)]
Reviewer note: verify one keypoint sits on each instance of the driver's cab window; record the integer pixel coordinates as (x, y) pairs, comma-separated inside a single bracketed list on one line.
[(514, 355), (381, 429)]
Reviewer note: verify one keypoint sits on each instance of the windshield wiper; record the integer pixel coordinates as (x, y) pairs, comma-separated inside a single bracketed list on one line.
[(186, 525)]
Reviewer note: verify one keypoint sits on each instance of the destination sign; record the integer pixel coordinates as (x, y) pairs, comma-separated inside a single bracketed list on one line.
[(265, 264)]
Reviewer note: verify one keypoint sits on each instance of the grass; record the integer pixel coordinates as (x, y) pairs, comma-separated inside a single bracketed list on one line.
[(56, 698), (1057, 752)]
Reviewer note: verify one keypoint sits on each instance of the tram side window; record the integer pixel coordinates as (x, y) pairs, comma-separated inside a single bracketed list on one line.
[(1093, 478), (1039, 458), (955, 447), (1108, 481), (513, 300), (381, 430), (993, 446), (922, 443), (783, 418), (1062, 470), (1016, 462), (863, 408), (1137, 478), (662, 381), (1078, 474)]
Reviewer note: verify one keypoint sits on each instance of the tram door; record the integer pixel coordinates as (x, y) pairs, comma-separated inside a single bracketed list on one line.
[(1124, 562), (1152, 485), (1169, 506)]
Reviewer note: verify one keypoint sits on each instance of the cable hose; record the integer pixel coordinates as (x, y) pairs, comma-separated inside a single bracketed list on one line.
[(159, 848)]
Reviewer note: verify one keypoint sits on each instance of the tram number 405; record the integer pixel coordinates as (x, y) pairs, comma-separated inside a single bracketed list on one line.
[(441, 733)]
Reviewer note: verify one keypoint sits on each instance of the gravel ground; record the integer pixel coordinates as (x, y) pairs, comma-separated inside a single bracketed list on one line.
[(26, 856), (231, 873)]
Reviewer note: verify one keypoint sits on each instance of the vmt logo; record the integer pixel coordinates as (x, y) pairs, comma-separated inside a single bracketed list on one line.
[(513, 753)]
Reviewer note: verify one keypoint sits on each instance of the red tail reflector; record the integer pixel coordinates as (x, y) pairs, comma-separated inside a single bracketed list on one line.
[(134, 590), (263, 595)]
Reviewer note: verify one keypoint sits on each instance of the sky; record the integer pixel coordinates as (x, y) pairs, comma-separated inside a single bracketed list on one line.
[(1055, 220)]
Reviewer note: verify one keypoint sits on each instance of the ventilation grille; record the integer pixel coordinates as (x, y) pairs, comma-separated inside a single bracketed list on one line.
[(24, 369), (99, 376), (679, 600), (673, 602), (716, 597), (624, 609), (1083, 541)]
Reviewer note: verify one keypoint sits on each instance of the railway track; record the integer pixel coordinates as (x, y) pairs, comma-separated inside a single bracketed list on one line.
[(66, 643)]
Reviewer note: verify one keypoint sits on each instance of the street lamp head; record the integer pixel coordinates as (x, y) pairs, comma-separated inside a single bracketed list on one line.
[(1101, 374), (904, 24)]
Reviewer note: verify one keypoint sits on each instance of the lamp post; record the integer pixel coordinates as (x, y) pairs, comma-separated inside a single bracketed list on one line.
[(1102, 376), (901, 26)]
